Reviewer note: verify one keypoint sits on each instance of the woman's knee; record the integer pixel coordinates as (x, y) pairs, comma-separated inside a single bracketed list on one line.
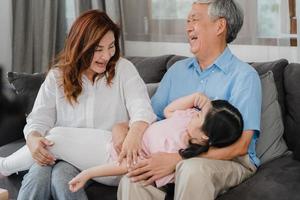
[(38, 175), (62, 173)]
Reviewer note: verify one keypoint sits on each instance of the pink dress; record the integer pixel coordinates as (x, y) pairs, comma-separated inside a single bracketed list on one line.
[(165, 136)]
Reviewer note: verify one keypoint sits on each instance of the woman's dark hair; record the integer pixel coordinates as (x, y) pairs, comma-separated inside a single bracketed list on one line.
[(223, 125)]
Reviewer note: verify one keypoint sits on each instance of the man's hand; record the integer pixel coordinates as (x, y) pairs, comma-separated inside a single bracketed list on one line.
[(154, 167), (37, 145)]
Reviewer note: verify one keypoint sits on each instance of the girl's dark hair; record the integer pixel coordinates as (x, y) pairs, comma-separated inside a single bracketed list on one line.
[(223, 125)]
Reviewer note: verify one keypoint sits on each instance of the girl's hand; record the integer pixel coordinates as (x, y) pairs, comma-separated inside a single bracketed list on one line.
[(201, 101), (78, 181)]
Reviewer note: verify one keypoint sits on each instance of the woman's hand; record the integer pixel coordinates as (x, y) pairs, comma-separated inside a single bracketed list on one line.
[(131, 149), (154, 167), (132, 146), (37, 145), (78, 181)]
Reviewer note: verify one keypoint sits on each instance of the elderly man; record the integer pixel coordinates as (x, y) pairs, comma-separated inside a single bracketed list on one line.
[(216, 72)]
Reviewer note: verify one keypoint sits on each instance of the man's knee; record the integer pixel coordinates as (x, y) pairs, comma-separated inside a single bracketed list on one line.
[(194, 168), (129, 190), (192, 177), (124, 185)]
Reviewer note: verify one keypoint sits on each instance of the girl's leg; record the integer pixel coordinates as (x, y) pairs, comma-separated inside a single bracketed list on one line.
[(19, 161), (83, 147)]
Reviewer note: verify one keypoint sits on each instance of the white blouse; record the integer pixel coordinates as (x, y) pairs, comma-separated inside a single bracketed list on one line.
[(99, 106)]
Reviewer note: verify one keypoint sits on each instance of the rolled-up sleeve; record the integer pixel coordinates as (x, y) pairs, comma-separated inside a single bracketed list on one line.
[(136, 97), (43, 115)]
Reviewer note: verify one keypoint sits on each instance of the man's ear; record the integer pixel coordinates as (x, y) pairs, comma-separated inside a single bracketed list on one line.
[(221, 26)]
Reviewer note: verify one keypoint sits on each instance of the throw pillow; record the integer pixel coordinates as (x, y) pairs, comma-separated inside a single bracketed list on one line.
[(26, 86), (270, 144), (277, 67)]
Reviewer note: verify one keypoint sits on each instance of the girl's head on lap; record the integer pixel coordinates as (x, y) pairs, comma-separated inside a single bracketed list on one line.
[(222, 126)]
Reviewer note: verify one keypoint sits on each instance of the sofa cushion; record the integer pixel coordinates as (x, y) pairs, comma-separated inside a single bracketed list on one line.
[(270, 144), (292, 119), (11, 128), (26, 86), (151, 88), (277, 67), (12, 119), (278, 179), (151, 69), (174, 59)]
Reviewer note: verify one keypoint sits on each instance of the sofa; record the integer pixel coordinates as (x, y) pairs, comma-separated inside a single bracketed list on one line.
[(278, 177)]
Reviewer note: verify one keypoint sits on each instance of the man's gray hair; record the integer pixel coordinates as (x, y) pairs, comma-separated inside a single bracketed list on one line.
[(229, 10)]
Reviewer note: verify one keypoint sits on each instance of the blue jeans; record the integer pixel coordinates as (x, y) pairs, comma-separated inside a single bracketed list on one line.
[(42, 183)]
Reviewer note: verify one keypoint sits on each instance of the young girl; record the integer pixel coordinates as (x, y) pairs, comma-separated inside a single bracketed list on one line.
[(192, 125), (186, 128)]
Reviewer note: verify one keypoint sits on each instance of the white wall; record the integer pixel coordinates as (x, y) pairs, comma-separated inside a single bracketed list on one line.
[(5, 35), (247, 53)]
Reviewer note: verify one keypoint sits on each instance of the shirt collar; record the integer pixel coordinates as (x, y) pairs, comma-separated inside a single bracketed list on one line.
[(222, 62)]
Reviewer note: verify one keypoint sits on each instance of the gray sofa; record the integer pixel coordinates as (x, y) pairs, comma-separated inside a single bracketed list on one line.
[(279, 148)]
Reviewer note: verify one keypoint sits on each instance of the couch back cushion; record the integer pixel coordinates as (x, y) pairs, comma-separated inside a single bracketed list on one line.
[(26, 86), (292, 100), (270, 144), (151, 69), (277, 67)]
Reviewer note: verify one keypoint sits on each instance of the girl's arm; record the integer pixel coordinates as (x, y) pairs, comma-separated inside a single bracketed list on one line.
[(102, 170), (194, 100)]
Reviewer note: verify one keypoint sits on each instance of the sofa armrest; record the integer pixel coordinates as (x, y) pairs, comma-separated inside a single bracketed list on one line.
[(11, 128), (12, 147)]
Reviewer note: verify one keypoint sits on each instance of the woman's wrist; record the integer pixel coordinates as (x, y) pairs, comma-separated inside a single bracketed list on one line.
[(34, 134), (138, 128)]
